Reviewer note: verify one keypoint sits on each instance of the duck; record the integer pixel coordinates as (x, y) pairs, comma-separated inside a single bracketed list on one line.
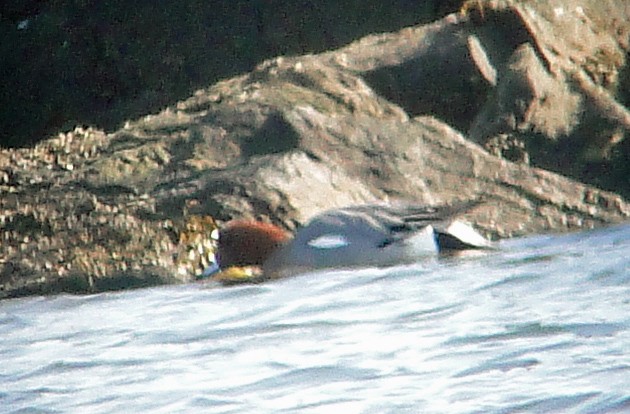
[(351, 237)]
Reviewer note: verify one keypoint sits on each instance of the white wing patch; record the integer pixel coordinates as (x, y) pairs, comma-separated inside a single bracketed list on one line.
[(329, 241)]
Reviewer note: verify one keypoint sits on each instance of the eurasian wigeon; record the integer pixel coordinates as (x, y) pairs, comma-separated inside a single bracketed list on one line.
[(358, 236)]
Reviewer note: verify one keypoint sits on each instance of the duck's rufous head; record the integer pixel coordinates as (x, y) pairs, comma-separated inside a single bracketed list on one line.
[(249, 243)]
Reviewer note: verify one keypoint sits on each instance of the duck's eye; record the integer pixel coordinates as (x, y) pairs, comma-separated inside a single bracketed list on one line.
[(329, 241)]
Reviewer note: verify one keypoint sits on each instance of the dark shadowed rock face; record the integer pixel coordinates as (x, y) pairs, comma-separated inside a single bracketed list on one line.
[(89, 211), (548, 79), (68, 62)]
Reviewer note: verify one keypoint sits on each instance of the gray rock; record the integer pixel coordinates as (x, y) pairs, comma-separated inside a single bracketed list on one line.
[(374, 121)]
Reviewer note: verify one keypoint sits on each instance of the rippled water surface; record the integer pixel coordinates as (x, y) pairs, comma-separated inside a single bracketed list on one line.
[(541, 326)]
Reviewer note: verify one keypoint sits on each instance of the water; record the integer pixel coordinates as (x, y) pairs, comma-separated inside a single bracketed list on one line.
[(542, 326)]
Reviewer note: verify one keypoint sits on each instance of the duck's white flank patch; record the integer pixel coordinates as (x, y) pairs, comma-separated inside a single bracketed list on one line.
[(423, 241), (467, 234), (329, 241)]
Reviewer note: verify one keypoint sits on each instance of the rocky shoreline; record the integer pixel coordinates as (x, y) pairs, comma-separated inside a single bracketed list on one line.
[(376, 120)]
